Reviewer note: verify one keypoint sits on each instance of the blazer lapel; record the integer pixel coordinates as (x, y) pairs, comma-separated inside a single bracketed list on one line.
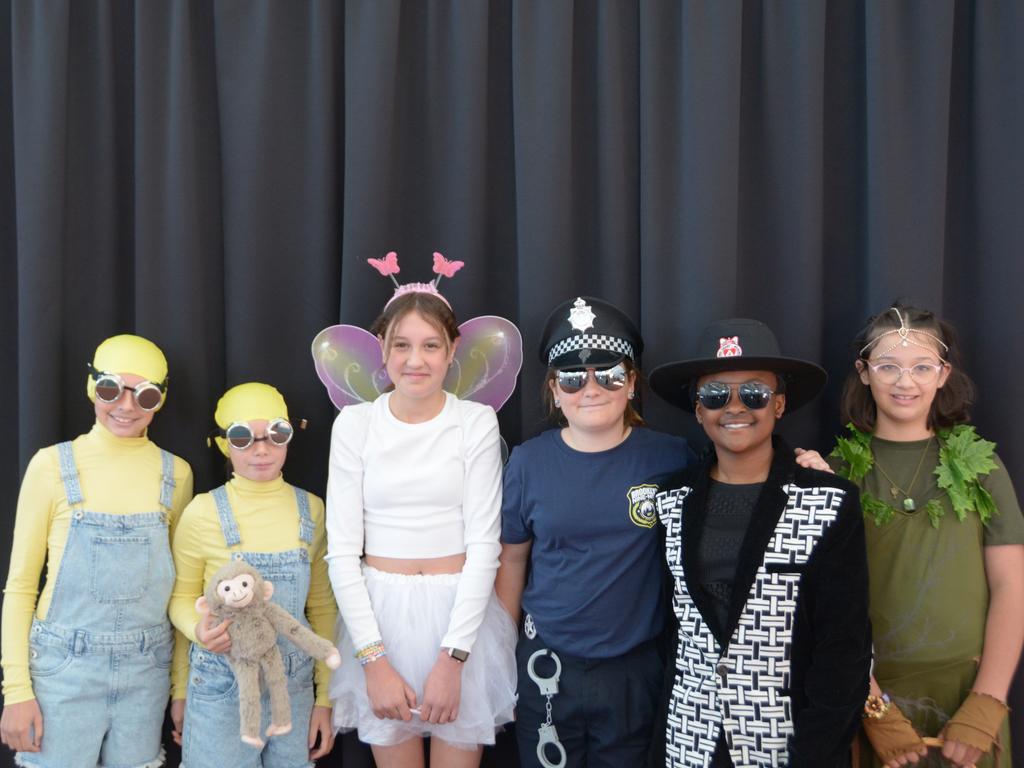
[(771, 503)]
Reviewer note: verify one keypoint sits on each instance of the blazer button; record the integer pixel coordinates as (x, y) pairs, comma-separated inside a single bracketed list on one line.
[(723, 672)]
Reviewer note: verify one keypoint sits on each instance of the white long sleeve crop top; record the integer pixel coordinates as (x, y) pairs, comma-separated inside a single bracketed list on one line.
[(414, 491)]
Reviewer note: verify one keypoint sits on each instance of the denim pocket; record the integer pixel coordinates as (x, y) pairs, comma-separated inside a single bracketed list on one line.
[(120, 568), (210, 679), (46, 660), (162, 655)]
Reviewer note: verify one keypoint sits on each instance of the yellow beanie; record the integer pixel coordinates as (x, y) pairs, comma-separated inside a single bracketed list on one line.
[(248, 402), (128, 354)]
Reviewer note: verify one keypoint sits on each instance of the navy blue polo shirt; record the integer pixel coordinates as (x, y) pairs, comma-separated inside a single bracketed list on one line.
[(594, 588)]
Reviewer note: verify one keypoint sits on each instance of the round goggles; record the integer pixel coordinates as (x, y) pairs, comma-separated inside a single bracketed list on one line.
[(715, 395), (240, 435), (612, 379), (110, 387)]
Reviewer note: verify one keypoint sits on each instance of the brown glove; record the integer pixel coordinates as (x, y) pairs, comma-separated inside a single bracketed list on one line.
[(977, 722), (891, 734)]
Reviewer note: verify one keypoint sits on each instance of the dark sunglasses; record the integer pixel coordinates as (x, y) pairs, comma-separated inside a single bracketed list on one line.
[(715, 395), (110, 387), (612, 379)]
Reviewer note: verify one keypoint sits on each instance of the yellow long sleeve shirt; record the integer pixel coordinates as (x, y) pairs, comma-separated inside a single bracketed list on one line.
[(118, 475), (268, 521)]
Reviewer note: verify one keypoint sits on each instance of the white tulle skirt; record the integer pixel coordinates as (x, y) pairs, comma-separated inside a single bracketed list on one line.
[(413, 613)]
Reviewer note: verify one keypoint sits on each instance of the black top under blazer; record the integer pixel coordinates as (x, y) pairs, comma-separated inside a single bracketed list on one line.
[(787, 678)]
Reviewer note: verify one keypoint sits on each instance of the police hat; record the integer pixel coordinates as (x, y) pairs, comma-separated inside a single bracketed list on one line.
[(588, 333), (738, 345)]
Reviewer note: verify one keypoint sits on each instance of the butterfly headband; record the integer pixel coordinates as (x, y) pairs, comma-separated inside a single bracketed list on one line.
[(903, 337), (388, 267)]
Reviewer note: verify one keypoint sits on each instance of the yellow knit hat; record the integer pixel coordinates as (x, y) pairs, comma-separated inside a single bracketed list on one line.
[(248, 402), (128, 354)]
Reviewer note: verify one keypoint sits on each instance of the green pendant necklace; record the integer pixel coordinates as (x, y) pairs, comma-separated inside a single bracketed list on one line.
[(895, 490)]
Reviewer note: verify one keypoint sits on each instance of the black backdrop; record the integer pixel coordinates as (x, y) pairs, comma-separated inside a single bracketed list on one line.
[(214, 175)]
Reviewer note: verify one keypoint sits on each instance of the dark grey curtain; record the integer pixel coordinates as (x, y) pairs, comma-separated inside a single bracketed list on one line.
[(214, 175)]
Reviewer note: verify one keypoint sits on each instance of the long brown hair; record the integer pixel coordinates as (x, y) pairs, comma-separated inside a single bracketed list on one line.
[(630, 418), (952, 402)]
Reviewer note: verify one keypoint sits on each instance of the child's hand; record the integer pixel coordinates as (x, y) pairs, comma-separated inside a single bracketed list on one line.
[(390, 696), (214, 637), (21, 726), (811, 460), (442, 690), (320, 724), (177, 719)]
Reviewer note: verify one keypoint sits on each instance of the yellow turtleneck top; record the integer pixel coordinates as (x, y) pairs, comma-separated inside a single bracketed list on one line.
[(268, 521), (118, 475)]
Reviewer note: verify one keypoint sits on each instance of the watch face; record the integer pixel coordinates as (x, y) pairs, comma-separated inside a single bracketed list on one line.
[(458, 654)]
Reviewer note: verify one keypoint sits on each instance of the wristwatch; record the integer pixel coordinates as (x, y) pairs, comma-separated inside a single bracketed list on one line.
[(458, 654)]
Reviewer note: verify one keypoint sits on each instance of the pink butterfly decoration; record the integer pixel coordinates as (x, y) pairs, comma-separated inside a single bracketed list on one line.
[(388, 265), (444, 267)]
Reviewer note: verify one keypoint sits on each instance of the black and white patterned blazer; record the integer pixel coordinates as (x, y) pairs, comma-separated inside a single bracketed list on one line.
[(787, 678)]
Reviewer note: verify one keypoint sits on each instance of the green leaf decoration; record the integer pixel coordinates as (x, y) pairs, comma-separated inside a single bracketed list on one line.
[(873, 509), (963, 457), (855, 452), (935, 511)]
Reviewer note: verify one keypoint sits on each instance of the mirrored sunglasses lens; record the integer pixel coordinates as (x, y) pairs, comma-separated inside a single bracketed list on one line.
[(108, 390), (239, 436), (611, 378), (280, 432), (148, 397), (714, 396), (572, 381), (755, 395)]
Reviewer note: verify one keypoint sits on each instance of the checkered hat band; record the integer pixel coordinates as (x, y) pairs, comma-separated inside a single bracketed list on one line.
[(608, 343)]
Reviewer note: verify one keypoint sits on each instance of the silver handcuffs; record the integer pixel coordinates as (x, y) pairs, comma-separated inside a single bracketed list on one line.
[(548, 687)]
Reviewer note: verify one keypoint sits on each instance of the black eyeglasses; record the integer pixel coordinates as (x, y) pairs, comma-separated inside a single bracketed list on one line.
[(715, 395), (612, 379)]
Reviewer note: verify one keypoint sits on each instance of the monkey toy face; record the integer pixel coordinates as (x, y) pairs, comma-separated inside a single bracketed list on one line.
[(237, 592), (234, 587)]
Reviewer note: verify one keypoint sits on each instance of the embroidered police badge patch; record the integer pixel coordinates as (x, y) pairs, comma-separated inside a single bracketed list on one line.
[(642, 510)]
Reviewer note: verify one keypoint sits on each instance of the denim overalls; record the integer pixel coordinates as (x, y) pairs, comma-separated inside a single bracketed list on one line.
[(100, 661), (212, 736)]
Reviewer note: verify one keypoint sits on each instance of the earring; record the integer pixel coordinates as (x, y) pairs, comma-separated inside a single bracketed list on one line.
[(558, 403), (631, 394)]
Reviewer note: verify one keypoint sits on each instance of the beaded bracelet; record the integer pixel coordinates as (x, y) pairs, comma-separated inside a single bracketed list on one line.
[(371, 652)]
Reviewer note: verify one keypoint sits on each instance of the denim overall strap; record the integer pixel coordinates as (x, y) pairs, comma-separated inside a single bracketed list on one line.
[(166, 479), (69, 474), (305, 521), (227, 520)]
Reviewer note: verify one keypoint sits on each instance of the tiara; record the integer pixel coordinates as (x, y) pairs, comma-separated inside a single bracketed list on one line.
[(388, 267), (903, 332)]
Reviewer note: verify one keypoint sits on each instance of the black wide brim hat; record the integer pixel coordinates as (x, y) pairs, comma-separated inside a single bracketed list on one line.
[(588, 333), (738, 344)]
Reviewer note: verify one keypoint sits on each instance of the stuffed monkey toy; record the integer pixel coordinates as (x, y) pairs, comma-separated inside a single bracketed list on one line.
[(238, 592)]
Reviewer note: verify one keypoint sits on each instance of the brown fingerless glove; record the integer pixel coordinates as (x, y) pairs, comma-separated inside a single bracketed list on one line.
[(891, 734), (977, 721)]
